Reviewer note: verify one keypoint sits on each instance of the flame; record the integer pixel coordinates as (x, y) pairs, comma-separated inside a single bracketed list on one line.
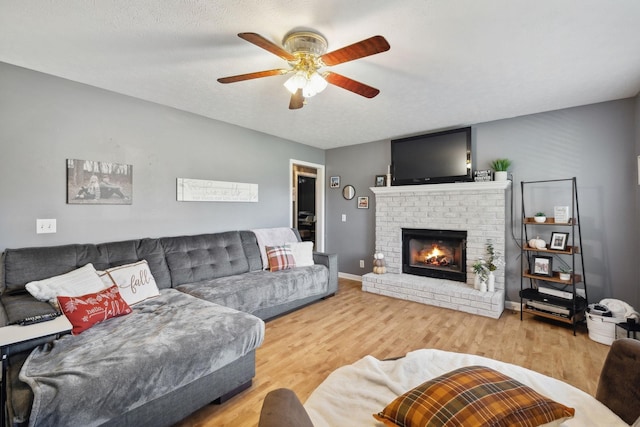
[(435, 252)]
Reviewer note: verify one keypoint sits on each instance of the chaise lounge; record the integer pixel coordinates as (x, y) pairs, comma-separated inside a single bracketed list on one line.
[(191, 344)]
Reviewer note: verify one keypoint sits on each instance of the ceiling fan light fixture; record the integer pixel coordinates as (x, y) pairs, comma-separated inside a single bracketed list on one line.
[(314, 86), (295, 82)]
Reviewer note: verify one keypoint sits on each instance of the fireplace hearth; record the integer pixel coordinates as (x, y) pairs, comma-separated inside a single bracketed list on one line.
[(439, 254)]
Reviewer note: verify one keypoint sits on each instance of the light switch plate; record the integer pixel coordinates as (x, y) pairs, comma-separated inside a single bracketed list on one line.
[(45, 226)]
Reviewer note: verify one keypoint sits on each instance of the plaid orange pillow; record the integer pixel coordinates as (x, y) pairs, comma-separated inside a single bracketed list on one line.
[(472, 396), (280, 258)]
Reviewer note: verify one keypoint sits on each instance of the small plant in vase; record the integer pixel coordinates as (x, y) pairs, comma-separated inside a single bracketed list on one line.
[(540, 217), (494, 261), (565, 273), (500, 167), (481, 271)]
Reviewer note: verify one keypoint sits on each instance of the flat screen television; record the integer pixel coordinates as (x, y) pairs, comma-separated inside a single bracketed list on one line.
[(433, 158)]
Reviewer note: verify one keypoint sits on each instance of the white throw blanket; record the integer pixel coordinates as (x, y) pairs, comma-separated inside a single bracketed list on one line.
[(273, 237), (352, 393)]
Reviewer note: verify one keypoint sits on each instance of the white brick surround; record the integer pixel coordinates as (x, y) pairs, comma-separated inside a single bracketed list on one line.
[(477, 207)]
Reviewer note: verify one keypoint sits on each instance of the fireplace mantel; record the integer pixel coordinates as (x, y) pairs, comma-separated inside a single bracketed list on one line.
[(480, 208), (458, 186)]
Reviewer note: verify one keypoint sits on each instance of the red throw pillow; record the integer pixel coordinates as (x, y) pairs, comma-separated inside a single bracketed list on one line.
[(85, 311)]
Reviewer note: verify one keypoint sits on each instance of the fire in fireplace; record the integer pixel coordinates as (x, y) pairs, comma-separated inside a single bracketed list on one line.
[(435, 253)]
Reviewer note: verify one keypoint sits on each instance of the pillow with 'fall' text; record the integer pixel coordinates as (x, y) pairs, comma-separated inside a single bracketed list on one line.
[(135, 281)]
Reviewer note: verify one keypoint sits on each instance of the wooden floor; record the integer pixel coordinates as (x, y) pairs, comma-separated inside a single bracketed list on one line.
[(303, 347)]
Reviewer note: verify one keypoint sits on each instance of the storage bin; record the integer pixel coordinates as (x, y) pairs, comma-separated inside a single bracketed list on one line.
[(602, 329)]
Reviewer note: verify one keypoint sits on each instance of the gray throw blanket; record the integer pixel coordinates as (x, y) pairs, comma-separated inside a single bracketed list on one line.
[(124, 362)]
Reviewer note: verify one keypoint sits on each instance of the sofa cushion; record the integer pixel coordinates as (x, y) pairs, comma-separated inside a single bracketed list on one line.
[(192, 336), (276, 236), (135, 281), (280, 258), (473, 395), (20, 306), (86, 310), (302, 253), (256, 290), (204, 257), (78, 282)]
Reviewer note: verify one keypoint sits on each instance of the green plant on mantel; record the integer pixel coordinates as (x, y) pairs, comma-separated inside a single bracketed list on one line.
[(500, 165), (540, 214)]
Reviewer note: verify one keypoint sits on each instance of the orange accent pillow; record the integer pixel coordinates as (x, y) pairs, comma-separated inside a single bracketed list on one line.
[(85, 311), (280, 258), (473, 396)]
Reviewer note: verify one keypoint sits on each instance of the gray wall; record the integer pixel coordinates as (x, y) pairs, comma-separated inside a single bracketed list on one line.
[(45, 120), (595, 143), (354, 239)]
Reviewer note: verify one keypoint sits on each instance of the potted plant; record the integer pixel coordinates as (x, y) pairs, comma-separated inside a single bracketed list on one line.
[(565, 273), (481, 270), (540, 217), (500, 167)]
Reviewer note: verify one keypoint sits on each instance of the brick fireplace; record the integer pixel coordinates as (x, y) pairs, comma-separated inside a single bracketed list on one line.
[(477, 208)]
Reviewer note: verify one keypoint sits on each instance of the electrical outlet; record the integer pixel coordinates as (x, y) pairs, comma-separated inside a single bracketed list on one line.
[(344, 217), (45, 226), (361, 263)]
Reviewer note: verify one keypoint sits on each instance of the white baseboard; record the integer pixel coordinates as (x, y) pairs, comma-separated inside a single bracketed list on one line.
[(512, 305), (350, 276)]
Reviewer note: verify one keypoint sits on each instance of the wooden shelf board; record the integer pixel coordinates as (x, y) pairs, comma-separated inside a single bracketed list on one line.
[(570, 250), (549, 221), (555, 278), (570, 320)]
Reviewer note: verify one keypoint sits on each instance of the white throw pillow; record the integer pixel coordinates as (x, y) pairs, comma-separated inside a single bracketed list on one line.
[(302, 253), (82, 281), (135, 281)]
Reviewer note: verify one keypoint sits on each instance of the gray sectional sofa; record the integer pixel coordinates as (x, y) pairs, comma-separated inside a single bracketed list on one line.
[(191, 345)]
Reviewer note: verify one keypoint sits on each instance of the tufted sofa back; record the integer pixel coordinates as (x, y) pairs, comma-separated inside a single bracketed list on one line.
[(193, 259), (21, 266)]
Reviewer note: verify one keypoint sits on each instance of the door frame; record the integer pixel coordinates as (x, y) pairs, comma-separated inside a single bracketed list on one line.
[(320, 197)]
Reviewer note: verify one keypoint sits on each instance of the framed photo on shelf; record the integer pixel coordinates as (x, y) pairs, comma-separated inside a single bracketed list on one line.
[(561, 214), (363, 202), (542, 265), (334, 182), (381, 180), (558, 241)]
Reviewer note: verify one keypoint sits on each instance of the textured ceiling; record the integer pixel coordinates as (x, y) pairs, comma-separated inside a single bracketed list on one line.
[(451, 63)]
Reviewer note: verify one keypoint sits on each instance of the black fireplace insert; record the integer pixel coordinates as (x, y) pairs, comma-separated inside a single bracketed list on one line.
[(441, 254)]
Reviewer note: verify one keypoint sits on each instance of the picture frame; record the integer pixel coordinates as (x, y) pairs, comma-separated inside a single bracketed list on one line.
[(561, 214), (334, 182), (363, 202), (558, 241), (381, 180), (93, 182), (542, 265)]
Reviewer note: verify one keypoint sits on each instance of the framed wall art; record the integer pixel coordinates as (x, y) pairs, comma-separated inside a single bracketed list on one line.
[(542, 265), (334, 182), (381, 180), (363, 202), (558, 241), (99, 183)]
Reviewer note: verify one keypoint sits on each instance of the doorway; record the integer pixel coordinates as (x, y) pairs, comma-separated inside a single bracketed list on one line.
[(307, 202)]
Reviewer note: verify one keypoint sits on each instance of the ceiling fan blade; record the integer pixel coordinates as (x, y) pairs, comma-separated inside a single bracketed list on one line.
[(260, 41), (249, 76), (370, 46), (297, 100), (351, 85)]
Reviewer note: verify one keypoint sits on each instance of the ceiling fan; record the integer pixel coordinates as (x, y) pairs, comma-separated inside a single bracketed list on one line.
[(306, 53)]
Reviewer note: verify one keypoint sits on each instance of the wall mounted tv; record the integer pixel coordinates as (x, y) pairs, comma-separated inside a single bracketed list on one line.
[(432, 158)]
